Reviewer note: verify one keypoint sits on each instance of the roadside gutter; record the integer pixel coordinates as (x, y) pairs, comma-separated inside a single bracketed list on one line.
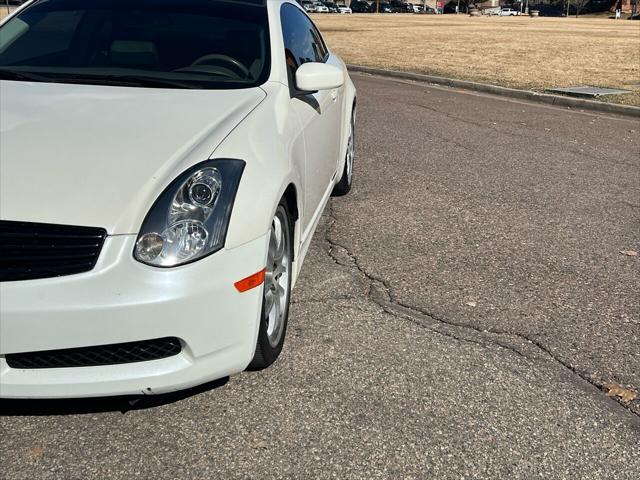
[(549, 99)]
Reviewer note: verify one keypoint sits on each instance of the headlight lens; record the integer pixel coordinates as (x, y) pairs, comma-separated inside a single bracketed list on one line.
[(190, 218), (204, 187)]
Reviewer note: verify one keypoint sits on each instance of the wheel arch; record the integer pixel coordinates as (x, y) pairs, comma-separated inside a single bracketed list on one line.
[(291, 197)]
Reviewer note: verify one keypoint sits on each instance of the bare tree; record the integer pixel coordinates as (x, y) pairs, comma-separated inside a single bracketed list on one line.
[(577, 4), (580, 5)]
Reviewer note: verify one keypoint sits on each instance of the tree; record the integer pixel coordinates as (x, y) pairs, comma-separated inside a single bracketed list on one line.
[(577, 5), (463, 5)]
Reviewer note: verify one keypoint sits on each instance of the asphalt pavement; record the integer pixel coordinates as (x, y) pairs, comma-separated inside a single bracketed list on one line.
[(460, 315)]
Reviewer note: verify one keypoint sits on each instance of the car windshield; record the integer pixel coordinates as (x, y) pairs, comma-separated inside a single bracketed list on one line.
[(201, 44)]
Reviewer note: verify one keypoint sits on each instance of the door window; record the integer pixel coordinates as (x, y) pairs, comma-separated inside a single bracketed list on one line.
[(302, 41)]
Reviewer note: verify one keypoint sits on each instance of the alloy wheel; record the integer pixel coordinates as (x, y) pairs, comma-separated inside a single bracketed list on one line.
[(277, 278)]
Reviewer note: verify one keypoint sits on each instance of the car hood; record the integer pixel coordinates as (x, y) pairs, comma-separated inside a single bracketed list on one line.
[(100, 155)]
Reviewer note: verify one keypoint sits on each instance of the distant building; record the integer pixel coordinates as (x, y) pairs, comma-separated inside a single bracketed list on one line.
[(626, 6)]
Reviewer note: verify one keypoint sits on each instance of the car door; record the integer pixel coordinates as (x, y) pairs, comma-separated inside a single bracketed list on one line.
[(319, 112)]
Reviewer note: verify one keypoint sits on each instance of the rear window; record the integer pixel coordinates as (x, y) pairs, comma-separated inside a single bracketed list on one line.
[(163, 43)]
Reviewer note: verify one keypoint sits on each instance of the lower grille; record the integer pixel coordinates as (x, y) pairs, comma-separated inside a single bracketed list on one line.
[(115, 354)]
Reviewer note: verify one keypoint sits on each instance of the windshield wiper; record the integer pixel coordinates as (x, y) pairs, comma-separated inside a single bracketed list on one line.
[(124, 80), (22, 76), (154, 82)]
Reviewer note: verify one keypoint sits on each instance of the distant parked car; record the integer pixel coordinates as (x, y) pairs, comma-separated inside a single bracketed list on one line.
[(358, 6), (320, 8), (382, 7), (342, 9), (399, 6), (309, 7), (333, 8), (492, 12), (509, 12), (424, 9)]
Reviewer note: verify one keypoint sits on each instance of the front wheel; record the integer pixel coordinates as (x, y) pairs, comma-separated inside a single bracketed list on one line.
[(277, 291), (344, 185)]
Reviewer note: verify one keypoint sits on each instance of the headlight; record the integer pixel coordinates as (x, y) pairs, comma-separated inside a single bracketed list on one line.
[(190, 218)]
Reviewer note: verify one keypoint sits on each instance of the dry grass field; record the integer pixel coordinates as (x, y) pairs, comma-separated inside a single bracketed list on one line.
[(520, 52)]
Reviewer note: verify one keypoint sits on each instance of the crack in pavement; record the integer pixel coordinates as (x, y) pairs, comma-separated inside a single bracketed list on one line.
[(629, 204), (453, 117), (526, 136), (379, 292), (324, 300)]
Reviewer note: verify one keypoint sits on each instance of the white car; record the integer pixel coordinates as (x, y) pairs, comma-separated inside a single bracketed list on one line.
[(320, 8), (344, 9), (509, 12), (309, 7), (164, 167)]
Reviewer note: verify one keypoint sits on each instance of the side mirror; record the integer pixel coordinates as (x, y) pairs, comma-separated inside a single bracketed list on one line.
[(314, 76)]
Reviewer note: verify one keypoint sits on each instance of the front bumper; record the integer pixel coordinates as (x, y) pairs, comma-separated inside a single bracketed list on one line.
[(121, 301)]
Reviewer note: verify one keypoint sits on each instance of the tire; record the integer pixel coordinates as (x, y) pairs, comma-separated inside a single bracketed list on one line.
[(276, 295), (344, 185)]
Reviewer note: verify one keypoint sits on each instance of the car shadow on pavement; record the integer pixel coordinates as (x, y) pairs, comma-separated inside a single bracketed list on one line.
[(79, 406)]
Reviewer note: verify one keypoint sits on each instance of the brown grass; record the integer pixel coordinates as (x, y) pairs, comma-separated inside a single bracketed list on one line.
[(4, 12), (520, 52)]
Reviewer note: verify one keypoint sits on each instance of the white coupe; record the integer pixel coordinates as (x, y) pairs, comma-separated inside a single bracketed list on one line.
[(164, 166), (509, 12)]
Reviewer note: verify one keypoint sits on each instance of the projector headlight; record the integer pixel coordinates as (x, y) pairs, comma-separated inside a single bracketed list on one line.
[(190, 218)]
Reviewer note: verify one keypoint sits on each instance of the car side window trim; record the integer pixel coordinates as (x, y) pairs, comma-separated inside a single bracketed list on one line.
[(302, 43), (321, 42)]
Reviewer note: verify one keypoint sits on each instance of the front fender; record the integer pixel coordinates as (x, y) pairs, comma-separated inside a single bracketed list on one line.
[(271, 143)]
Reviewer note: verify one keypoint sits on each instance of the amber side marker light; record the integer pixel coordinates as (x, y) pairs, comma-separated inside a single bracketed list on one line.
[(251, 281)]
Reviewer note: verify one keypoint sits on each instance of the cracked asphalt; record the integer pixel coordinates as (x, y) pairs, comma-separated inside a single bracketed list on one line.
[(458, 316)]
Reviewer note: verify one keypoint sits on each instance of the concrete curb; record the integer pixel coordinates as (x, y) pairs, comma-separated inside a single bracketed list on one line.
[(558, 100)]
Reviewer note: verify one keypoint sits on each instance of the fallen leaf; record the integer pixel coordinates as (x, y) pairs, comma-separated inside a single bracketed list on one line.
[(261, 444), (36, 451), (629, 253), (471, 304), (617, 391)]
